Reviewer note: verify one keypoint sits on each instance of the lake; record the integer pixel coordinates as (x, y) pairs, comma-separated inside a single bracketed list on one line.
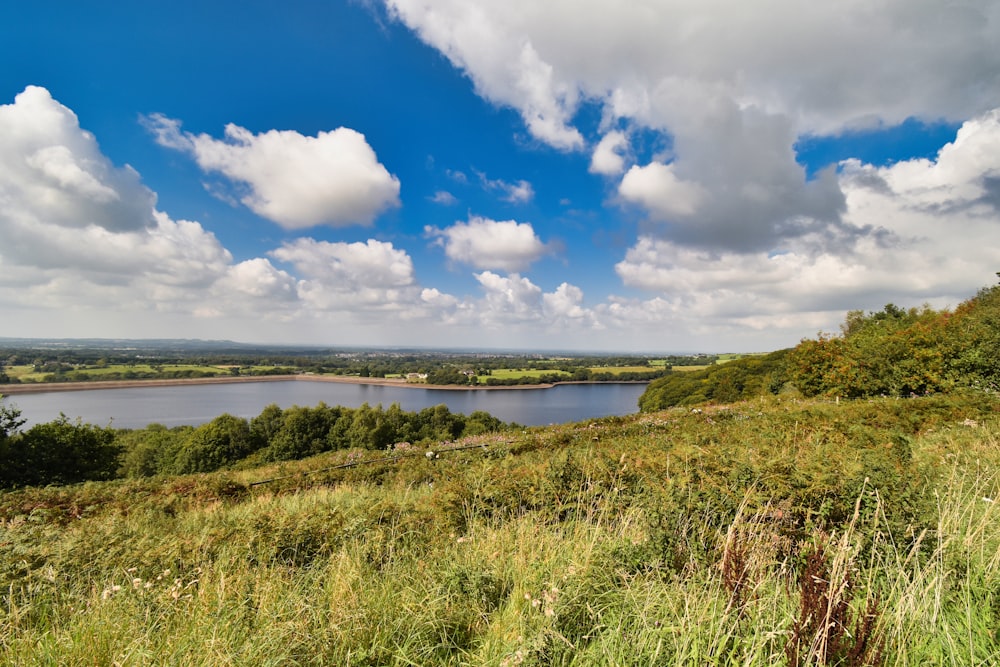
[(136, 407)]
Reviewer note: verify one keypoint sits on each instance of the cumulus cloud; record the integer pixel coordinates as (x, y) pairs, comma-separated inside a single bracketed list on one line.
[(294, 180), (729, 88), (489, 244), (514, 300), (814, 64), (656, 187), (82, 248), (343, 276), (913, 253), (258, 278), (607, 158), (53, 172), (505, 67), (81, 237)]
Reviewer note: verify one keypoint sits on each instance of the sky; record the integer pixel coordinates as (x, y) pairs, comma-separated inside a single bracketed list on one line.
[(591, 175)]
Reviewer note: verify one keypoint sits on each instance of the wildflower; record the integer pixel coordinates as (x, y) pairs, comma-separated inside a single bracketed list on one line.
[(136, 582), (110, 591)]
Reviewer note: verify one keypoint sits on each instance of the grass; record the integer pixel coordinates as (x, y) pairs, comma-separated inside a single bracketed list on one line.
[(512, 373), (516, 373), (27, 373), (618, 370), (672, 538)]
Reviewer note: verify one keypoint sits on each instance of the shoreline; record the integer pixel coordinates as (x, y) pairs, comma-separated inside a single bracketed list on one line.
[(41, 387)]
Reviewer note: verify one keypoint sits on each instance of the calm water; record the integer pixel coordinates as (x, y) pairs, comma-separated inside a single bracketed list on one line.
[(197, 404)]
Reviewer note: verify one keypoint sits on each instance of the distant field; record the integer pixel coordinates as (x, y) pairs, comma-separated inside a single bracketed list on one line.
[(618, 370), (686, 369), (733, 356), (27, 373), (19, 372), (512, 373)]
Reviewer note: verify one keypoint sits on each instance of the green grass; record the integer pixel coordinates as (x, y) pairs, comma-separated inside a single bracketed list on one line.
[(24, 373), (733, 356), (666, 538), (618, 370), (511, 373), (114, 371), (516, 373)]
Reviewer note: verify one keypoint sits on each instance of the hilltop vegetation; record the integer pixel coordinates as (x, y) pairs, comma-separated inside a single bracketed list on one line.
[(892, 352), (774, 532), (66, 452)]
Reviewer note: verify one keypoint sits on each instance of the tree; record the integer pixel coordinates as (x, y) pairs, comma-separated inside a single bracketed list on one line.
[(10, 420), (60, 452), (221, 442), (302, 433), (150, 451), (265, 426)]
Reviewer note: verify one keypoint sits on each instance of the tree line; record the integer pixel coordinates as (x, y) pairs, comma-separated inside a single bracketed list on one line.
[(891, 352), (92, 362), (67, 452)]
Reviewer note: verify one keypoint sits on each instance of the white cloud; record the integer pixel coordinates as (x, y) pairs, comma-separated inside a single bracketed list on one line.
[(566, 304), (515, 193), (52, 172), (489, 244), (509, 299), (347, 276), (505, 67), (258, 278), (729, 87), (814, 64), (607, 158), (519, 193), (294, 180), (933, 236), (81, 239), (444, 198), (512, 301), (656, 187)]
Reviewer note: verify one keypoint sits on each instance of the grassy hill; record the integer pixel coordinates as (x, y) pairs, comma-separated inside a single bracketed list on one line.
[(770, 532)]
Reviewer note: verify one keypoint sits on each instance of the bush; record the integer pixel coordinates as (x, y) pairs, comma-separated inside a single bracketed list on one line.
[(59, 452)]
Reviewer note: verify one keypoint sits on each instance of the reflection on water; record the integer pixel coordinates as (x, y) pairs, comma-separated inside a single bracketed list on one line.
[(197, 404)]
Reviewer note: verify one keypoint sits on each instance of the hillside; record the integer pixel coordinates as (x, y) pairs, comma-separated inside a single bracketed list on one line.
[(892, 352), (723, 536)]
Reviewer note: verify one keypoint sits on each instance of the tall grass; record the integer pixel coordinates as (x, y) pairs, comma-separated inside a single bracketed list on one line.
[(674, 538)]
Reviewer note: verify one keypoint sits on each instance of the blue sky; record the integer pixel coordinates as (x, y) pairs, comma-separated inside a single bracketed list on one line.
[(660, 176)]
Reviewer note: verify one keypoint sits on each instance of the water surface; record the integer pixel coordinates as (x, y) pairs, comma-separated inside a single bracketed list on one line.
[(136, 407)]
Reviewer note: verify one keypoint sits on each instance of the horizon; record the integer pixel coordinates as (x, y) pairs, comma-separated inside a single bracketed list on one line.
[(473, 175), (6, 342)]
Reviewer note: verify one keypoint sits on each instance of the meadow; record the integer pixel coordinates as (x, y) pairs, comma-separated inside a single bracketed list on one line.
[(777, 531), (28, 373)]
